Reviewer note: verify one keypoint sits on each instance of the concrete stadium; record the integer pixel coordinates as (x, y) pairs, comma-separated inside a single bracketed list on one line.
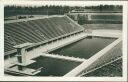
[(57, 45)]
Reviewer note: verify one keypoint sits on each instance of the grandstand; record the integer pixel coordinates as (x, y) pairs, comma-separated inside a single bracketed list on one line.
[(37, 30), (28, 39)]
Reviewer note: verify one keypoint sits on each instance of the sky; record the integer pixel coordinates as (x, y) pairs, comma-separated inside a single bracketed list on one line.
[(67, 3)]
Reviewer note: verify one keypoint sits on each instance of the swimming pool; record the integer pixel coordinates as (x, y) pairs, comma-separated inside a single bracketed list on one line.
[(53, 66), (85, 48)]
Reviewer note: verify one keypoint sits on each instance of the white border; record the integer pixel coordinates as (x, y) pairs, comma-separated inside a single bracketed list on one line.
[(11, 78), (1, 39)]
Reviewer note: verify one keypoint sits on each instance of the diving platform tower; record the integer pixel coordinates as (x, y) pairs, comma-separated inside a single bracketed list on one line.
[(21, 66)]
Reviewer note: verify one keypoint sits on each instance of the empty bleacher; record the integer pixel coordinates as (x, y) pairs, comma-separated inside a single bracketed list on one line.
[(37, 30)]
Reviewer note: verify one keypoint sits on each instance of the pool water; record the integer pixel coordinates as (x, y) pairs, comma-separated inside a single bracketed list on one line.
[(53, 67), (84, 48)]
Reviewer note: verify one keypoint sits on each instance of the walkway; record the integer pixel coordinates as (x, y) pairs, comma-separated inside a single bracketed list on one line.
[(63, 57)]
